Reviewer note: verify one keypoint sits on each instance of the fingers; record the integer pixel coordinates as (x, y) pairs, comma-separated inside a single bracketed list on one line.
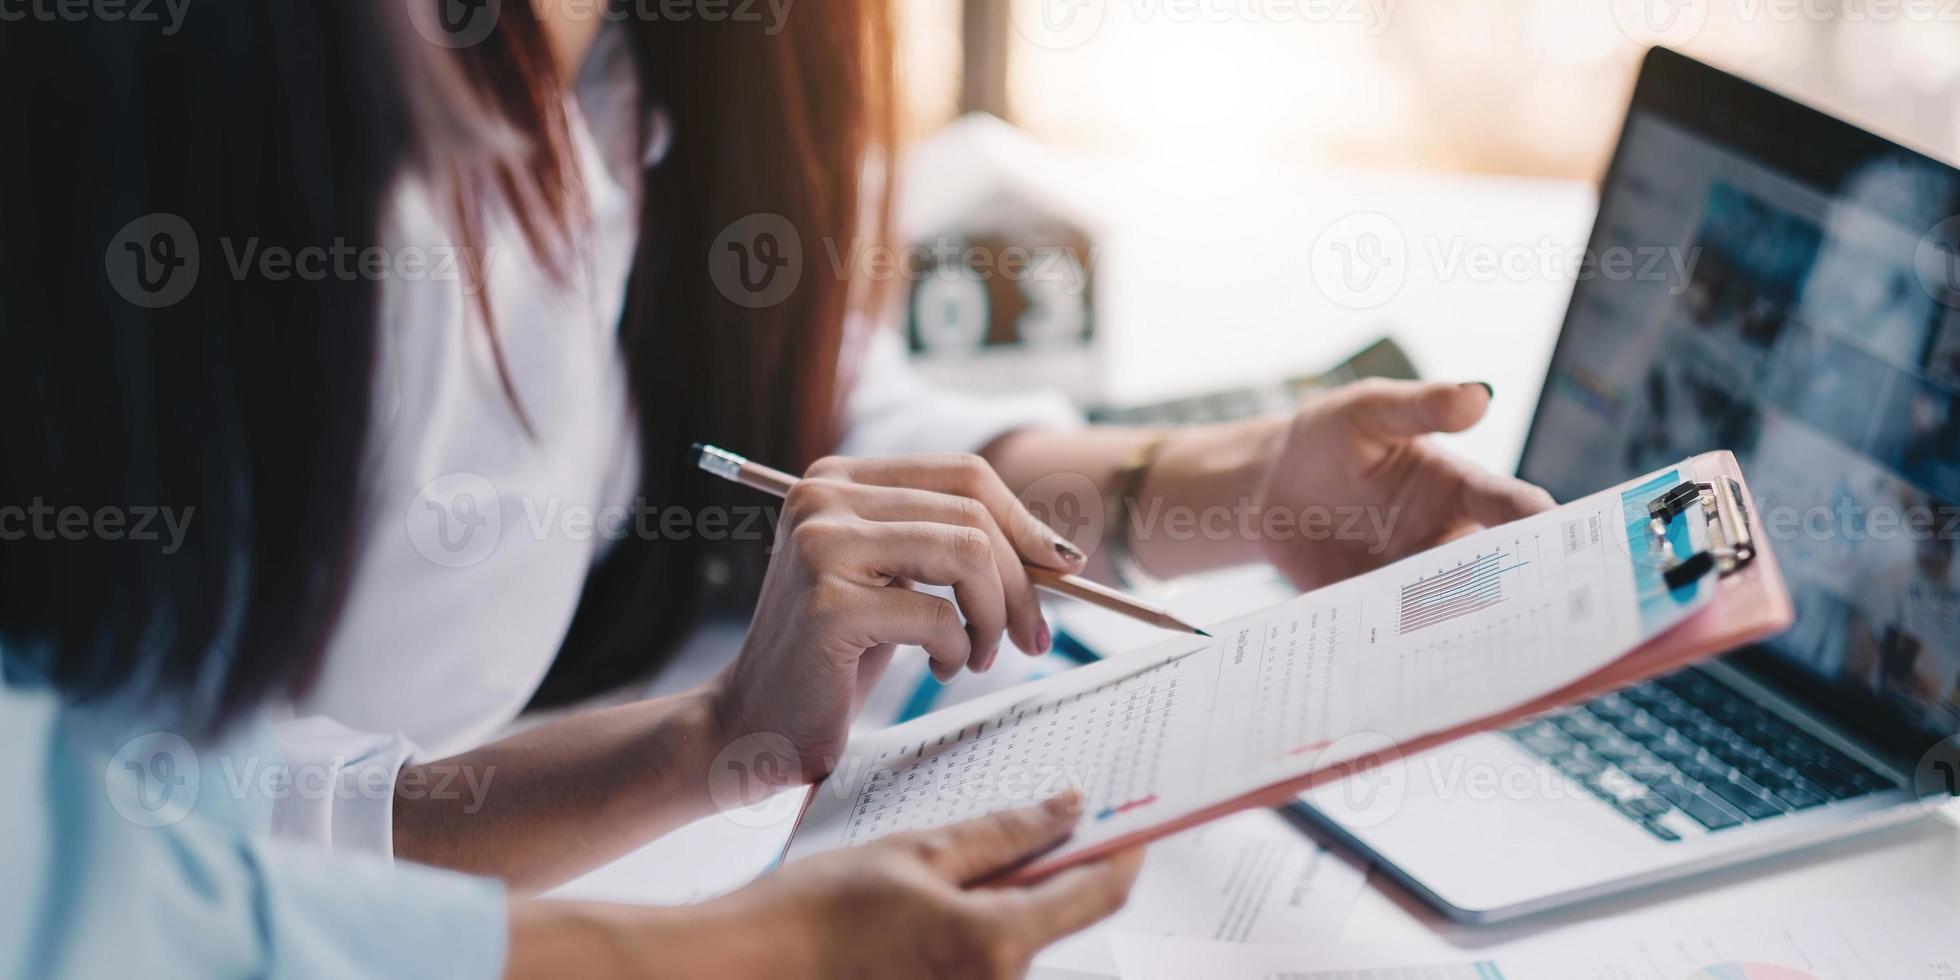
[(908, 618), (1413, 408), (941, 554), (1078, 897), (964, 475), (832, 535), (979, 848), (1024, 620), (1491, 499)]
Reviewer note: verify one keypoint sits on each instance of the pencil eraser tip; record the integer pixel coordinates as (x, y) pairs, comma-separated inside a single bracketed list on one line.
[(695, 453)]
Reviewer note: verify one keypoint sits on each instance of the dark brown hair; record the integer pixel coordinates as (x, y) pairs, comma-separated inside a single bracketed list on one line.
[(245, 402), (789, 124), (241, 405)]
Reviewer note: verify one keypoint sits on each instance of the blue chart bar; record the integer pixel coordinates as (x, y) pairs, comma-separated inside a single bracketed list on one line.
[(1476, 584)]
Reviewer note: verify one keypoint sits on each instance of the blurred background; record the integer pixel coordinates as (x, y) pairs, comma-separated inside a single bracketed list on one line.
[(1525, 87), (1218, 167)]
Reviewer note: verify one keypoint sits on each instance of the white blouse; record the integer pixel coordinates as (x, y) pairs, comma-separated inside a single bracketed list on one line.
[(477, 537)]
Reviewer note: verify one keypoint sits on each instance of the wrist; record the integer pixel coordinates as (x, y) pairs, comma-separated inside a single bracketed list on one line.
[(668, 761), (748, 749), (1196, 509), (715, 704), (748, 933), (554, 939), (727, 938)]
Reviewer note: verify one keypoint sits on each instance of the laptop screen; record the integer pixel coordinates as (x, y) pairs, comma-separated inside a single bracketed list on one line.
[(1764, 279)]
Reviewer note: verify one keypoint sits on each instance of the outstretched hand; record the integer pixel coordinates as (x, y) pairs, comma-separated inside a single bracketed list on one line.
[(1360, 458)]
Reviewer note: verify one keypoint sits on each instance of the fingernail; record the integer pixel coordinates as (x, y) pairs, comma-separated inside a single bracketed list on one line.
[(1069, 552), (1043, 639), (1060, 806), (1489, 392)]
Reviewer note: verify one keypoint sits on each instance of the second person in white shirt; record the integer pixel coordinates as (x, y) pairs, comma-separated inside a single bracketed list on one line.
[(587, 346)]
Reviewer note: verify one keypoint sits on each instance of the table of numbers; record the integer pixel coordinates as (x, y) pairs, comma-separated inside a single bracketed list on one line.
[(1107, 741)]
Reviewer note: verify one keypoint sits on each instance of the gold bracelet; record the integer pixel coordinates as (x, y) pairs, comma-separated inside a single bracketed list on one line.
[(1119, 508)]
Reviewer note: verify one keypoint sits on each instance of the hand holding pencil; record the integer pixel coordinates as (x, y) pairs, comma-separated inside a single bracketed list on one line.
[(741, 470)]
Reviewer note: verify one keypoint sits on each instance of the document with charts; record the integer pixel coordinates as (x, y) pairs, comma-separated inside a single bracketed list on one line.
[(1468, 635)]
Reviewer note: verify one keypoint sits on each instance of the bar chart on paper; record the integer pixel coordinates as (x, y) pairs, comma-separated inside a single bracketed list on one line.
[(1474, 585)]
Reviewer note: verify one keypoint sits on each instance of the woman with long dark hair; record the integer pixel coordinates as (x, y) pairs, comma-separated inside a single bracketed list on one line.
[(370, 298)]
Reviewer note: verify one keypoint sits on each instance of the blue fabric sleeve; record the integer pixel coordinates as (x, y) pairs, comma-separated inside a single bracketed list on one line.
[(90, 887)]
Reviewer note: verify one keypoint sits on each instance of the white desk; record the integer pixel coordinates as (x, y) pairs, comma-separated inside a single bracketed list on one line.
[(1206, 284)]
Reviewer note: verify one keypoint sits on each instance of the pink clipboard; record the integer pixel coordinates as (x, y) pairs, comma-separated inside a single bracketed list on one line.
[(1751, 604)]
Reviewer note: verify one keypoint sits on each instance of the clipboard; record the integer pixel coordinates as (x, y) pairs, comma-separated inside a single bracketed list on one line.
[(1731, 556), (1722, 504)]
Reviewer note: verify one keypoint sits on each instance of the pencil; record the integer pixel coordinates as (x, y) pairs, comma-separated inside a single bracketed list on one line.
[(738, 469)]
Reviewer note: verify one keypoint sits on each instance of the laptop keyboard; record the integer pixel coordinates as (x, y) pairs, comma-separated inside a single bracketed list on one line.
[(1686, 744)]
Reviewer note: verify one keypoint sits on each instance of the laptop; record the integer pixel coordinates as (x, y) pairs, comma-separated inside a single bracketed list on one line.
[(1766, 279)]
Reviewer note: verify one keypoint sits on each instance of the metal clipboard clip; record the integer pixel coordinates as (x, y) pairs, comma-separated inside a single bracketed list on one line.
[(1731, 543)]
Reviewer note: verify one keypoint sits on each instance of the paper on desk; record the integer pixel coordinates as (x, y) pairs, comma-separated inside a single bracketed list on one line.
[(1458, 634), (1252, 877), (1897, 939)]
